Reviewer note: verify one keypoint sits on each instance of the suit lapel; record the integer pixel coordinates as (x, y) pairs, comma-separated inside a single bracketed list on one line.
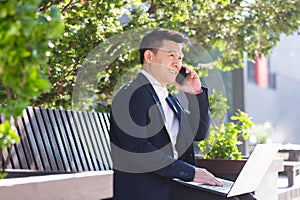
[(185, 135), (157, 102), (144, 81)]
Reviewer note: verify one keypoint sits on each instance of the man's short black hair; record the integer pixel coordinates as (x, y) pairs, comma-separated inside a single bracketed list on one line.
[(154, 40)]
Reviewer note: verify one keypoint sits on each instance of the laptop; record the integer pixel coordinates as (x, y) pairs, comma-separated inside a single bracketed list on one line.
[(249, 177)]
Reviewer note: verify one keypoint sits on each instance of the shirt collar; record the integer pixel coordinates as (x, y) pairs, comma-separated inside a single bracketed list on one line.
[(160, 90)]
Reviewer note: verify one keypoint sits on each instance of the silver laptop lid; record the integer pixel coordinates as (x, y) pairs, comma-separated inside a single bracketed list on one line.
[(254, 169)]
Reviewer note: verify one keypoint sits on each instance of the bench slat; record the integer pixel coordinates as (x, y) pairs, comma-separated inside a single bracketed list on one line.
[(26, 157), (32, 143), (95, 148), (80, 148), (15, 149), (105, 125), (88, 140), (70, 137), (18, 153), (54, 146), (85, 145), (14, 161), (60, 143), (103, 131), (5, 155), (65, 141), (38, 140), (97, 143), (51, 165)]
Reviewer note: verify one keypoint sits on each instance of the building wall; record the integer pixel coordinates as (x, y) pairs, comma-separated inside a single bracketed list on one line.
[(279, 105)]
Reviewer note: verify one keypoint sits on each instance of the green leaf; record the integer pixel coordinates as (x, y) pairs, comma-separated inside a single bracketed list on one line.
[(54, 12), (42, 19), (3, 175), (8, 135)]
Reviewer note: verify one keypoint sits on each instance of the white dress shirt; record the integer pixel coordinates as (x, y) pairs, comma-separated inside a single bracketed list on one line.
[(171, 122)]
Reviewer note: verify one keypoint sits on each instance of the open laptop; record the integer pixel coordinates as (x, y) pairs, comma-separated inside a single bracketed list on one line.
[(250, 176)]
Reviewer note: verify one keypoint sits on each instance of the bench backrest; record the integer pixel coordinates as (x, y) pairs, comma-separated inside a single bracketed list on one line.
[(61, 140)]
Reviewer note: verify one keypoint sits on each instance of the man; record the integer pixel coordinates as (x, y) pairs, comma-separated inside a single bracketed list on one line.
[(151, 133)]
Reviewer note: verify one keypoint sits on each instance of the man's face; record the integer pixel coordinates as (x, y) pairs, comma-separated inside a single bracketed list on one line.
[(166, 63)]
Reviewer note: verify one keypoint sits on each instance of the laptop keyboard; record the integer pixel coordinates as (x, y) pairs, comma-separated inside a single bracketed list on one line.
[(223, 189), (220, 189)]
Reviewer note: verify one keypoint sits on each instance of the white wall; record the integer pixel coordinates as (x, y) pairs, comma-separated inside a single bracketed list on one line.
[(281, 106)]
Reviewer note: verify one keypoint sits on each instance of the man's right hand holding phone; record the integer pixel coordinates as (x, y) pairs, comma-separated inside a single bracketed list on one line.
[(188, 80)]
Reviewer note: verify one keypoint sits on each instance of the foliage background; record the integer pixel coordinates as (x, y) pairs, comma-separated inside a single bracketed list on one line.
[(25, 34), (231, 27), (43, 44)]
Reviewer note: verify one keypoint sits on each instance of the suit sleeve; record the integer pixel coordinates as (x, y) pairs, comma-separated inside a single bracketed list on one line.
[(199, 117)]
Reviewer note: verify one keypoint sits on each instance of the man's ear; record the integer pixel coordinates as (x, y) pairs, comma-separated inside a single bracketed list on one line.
[(148, 57)]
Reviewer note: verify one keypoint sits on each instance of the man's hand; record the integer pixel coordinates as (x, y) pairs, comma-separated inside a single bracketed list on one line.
[(204, 176), (192, 85)]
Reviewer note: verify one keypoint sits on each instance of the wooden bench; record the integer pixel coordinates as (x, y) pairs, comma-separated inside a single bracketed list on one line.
[(63, 141), (291, 171), (60, 141), (291, 189)]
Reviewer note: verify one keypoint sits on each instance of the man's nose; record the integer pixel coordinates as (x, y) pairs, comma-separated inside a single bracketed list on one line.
[(177, 63)]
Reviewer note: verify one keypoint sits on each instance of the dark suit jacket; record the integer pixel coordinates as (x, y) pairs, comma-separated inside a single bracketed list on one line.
[(141, 148)]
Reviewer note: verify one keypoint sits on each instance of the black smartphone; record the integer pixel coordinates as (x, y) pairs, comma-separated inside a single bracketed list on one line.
[(182, 76)]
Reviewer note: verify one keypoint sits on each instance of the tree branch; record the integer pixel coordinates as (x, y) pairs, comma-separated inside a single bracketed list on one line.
[(65, 8), (44, 8)]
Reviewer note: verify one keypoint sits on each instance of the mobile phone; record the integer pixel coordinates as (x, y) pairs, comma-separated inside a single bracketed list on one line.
[(182, 76)]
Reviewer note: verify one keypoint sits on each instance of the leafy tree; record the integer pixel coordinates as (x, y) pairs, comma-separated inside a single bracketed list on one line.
[(226, 27), (25, 37), (86, 23)]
